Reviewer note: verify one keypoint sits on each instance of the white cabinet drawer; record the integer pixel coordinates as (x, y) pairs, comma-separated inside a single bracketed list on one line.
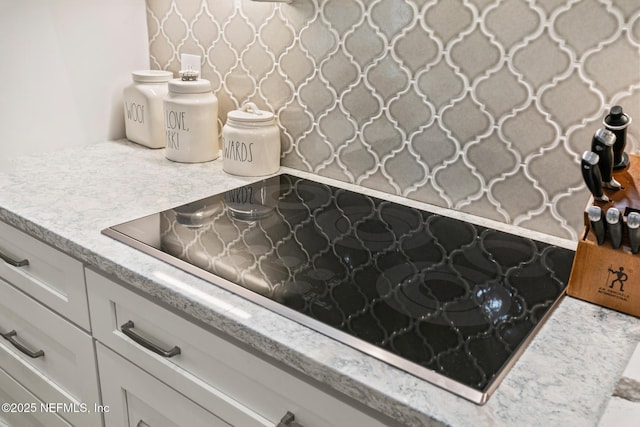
[(136, 399), (26, 411), (48, 355), (240, 387), (51, 277)]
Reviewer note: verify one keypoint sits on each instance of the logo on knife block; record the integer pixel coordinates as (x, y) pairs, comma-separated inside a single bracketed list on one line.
[(614, 284), (620, 277)]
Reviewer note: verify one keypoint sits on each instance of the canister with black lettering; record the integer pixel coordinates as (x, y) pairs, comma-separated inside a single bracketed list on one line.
[(191, 120), (251, 142), (143, 107)]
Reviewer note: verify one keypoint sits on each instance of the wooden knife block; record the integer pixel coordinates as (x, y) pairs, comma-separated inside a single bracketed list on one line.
[(603, 275)]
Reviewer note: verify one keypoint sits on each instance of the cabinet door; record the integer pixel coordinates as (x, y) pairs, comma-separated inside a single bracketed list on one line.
[(29, 413), (45, 273), (48, 355), (133, 398), (227, 380)]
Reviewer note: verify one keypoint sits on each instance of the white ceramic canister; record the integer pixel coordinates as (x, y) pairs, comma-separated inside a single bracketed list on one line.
[(191, 120), (251, 142), (143, 117)]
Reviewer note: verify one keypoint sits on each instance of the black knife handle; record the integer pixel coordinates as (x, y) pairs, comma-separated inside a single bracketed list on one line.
[(614, 226), (591, 175), (602, 144), (597, 223), (617, 122), (633, 225)]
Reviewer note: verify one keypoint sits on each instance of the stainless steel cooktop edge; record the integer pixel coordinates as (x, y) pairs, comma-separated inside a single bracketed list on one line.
[(412, 368)]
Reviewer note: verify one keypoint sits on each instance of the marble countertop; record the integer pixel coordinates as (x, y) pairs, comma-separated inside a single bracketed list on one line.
[(624, 407), (565, 377)]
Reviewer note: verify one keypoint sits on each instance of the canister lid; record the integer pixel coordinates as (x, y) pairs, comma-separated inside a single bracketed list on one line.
[(151, 76), (189, 86), (250, 113)]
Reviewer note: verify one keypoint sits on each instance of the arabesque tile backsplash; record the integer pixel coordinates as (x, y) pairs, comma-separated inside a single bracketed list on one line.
[(484, 106)]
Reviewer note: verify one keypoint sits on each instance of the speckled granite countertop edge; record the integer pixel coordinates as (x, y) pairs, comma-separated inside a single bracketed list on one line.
[(65, 199)]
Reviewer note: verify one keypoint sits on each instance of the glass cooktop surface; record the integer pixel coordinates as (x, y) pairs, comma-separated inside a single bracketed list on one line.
[(451, 302)]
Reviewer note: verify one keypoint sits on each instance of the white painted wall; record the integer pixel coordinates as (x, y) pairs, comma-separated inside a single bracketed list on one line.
[(63, 65)]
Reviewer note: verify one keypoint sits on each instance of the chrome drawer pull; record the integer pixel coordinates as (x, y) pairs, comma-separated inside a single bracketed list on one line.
[(142, 424), (288, 421), (13, 262), (127, 329), (11, 337)]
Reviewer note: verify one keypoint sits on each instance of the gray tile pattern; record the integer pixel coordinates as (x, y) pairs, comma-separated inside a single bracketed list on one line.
[(478, 105)]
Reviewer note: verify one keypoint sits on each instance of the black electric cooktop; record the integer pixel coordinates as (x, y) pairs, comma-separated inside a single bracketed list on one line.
[(448, 301)]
